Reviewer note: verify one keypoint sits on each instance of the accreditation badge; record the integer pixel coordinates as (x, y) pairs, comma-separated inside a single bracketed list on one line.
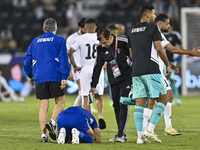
[(115, 68)]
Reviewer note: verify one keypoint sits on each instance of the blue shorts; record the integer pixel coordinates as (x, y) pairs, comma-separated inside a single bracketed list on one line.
[(152, 84)]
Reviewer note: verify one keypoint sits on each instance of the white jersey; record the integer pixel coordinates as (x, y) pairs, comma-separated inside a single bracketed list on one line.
[(69, 42), (86, 44), (164, 43), (4, 83)]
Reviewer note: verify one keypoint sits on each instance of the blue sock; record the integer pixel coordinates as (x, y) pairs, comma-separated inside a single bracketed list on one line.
[(175, 90), (86, 137), (138, 117), (157, 113)]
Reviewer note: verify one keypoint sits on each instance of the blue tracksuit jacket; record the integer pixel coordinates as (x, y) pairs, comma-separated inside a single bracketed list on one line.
[(46, 59)]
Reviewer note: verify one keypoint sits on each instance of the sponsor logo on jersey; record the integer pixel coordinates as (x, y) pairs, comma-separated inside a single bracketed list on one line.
[(106, 52), (57, 59), (33, 62), (141, 29), (45, 39), (91, 120)]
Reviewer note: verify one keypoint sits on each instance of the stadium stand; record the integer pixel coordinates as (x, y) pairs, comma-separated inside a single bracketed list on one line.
[(25, 26)]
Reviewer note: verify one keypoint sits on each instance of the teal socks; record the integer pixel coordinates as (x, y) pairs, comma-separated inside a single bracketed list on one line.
[(138, 117), (157, 113)]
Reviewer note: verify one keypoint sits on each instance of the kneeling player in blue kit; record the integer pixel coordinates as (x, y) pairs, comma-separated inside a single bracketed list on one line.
[(75, 125)]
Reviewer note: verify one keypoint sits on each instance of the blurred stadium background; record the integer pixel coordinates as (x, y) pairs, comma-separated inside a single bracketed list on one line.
[(22, 20)]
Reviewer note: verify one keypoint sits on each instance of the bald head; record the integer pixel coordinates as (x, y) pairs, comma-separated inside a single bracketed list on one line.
[(121, 29)]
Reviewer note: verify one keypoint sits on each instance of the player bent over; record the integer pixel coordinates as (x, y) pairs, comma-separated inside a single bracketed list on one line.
[(75, 125)]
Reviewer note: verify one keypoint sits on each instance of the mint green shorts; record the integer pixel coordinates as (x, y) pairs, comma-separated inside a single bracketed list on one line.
[(148, 85)]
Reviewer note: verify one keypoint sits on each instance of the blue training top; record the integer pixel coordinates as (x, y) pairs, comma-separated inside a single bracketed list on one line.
[(46, 59), (80, 112)]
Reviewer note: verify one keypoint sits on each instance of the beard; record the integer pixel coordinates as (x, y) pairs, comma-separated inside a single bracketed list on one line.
[(164, 30)]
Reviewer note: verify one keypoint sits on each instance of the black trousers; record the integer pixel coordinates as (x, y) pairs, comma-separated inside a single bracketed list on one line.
[(121, 110)]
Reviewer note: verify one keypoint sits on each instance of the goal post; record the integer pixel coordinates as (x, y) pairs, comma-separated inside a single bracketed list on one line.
[(190, 30)]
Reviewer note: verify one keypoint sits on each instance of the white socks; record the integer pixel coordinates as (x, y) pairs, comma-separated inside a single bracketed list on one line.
[(140, 134), (167, 115), (146, 117), (44, 135), (151, 127), (53, 122), (78, 101)]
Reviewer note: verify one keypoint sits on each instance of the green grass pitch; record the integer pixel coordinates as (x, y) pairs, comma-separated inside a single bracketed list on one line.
[(19, 127)]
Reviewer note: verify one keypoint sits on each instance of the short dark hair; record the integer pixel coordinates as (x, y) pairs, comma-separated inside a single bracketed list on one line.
[(89, 21), (111, 26), (161, 17), (103, 32), (50, 25), (81, 23), (144, 8)]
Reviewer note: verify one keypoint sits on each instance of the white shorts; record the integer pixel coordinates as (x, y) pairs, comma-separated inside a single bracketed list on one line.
[(76, 74), (168, 87), (86, 79)]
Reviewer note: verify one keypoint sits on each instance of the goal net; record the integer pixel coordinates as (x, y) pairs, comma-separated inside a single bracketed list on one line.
[(190, 29)]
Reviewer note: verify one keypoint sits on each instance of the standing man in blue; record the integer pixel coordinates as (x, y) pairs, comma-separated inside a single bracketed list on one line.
[(145, 46), (79, 123), (46, 64)]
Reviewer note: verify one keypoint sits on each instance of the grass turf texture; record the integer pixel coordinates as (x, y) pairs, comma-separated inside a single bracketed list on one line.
[(19, 127)]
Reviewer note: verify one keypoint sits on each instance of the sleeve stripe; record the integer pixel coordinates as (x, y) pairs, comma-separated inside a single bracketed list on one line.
[(123, 39)]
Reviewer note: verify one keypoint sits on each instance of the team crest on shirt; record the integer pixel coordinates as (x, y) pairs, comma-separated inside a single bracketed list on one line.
[(118, 50)]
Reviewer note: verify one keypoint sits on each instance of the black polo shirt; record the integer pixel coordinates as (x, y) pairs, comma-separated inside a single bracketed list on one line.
[(107, 55)]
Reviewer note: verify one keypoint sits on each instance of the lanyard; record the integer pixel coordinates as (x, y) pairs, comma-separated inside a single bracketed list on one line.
[(116, 51)]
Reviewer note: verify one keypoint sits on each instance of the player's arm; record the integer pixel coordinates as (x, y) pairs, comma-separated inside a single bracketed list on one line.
[(129, 45), (28, 62), (163, 56), (97, 135), (156, 37), (177, 50), (71, 57), (96, 71), (64, 63), (70, 77)]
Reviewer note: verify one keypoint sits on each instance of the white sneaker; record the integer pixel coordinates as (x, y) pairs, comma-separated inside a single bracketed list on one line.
[(142, 140), (171, 131), (20, 99), (152, 136), (4, 99), (75, 136), (120, 139), (61, 137), (113, 139), (176, 101)]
